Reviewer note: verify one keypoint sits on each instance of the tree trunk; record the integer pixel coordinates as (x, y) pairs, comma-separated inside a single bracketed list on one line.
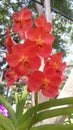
[(1, 76), (39, 8), (48, 10)]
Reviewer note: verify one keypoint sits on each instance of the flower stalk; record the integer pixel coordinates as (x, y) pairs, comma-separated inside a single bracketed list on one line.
[(36, 105)]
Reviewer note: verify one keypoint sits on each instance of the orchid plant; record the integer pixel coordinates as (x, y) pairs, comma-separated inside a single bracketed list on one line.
[(34, 64)]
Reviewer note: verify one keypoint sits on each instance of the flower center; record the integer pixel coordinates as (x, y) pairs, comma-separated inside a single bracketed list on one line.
[(45, 83), (20, 19), (55, 66), (7, 40), (11, 75), (39, 42), (25, 61)]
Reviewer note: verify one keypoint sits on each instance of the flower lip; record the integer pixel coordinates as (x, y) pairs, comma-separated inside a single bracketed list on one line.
[(55, 65), (20, 19), (25, 61), (12, 74), (39, 42), (44, 83)]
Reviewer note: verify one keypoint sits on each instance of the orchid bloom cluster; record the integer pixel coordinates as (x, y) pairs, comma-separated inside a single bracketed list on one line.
[(26, 59), (4, 111)]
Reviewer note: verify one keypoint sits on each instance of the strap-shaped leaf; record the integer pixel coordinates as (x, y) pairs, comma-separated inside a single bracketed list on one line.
[(54, 127), (6, 123), (20, 101), (9, 108), (45, 105), (55, 102), (26, 124), (52, 113)]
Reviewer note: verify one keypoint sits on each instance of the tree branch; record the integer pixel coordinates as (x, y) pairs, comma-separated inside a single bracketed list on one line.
[(54, 10), (48, 10), (39, 7), (60, 13), (38, 2)]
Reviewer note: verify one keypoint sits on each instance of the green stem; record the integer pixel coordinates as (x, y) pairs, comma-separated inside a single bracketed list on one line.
[(36, 104), (36, 99), (35, 112)]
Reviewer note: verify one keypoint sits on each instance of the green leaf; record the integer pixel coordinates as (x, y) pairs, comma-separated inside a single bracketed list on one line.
[(20, 101), (1, 128), (45, 105), (6, 123), (55, 102), (54, 127), (9, 108), (26, 124), (52, 113)]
